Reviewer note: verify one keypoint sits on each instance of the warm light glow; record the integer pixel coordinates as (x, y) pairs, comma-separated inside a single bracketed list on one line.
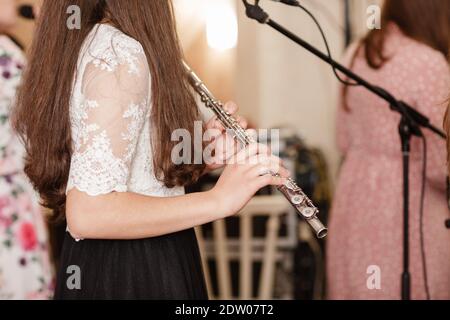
[(190, 20), (221, 24)]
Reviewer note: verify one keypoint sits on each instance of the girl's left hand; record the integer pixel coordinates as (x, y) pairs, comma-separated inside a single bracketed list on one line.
[(223, 143)]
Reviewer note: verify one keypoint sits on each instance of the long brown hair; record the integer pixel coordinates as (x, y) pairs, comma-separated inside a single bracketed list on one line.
[(426, 21), (42, 117)]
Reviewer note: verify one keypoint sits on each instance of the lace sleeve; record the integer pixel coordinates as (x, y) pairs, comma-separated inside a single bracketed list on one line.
[(107, 122)]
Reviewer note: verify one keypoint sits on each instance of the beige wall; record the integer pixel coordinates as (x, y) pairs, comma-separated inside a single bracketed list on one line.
[(280, 84)]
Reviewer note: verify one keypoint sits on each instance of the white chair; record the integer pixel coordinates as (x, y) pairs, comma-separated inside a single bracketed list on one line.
[(246, 249)]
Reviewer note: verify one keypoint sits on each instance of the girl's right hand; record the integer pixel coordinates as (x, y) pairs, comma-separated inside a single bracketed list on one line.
[(245, 174)]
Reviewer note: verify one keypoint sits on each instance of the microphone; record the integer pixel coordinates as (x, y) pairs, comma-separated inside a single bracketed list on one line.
[(447, 224), (294, 3), (26, 11)]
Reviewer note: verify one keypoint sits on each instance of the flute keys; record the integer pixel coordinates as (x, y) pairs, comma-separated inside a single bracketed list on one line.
[(290, 184), (298, 199), (308, 212)]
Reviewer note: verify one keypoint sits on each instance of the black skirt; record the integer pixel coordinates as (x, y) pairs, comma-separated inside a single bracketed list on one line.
[(167, 267)]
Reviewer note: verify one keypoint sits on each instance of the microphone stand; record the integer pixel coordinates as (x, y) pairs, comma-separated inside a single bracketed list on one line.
[(348, 27), (410, 124)]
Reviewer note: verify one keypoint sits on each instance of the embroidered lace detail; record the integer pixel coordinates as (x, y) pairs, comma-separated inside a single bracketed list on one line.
[(110, 118)]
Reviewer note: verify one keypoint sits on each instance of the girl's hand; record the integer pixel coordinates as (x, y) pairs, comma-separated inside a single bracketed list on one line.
[(246, 173), (223, 144)]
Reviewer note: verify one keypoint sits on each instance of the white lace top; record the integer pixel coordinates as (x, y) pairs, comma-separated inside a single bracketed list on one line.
[(110, 118)]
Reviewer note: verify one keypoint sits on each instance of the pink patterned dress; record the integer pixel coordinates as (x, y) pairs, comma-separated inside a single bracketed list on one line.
[(24, 266), (365, 239)]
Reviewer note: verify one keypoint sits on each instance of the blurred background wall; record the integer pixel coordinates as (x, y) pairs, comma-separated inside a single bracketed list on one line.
[(292, 87), (275, 82)]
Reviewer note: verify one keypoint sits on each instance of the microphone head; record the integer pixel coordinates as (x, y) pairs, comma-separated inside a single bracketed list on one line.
[(26, 11), (447, 224)]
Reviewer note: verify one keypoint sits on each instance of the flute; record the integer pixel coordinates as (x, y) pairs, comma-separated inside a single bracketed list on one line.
[(292, 192)]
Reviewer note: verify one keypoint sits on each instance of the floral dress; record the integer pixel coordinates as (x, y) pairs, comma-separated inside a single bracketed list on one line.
[(24, 264)]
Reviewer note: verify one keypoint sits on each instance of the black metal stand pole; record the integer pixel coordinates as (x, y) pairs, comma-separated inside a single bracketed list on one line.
[(404, 130)]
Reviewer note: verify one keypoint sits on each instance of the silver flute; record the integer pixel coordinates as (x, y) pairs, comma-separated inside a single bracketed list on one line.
[(293, 193)]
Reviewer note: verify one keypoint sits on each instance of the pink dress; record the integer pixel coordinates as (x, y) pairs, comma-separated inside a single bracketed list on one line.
[(365, 238)]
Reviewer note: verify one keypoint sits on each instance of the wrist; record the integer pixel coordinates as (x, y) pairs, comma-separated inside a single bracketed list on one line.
[(217, 202)]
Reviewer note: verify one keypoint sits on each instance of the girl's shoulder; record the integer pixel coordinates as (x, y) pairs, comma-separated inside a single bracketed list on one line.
[(423, 61), (108, 47), (413, 52)]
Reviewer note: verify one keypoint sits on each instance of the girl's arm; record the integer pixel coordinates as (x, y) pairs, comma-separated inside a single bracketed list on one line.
[(133, 216)]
